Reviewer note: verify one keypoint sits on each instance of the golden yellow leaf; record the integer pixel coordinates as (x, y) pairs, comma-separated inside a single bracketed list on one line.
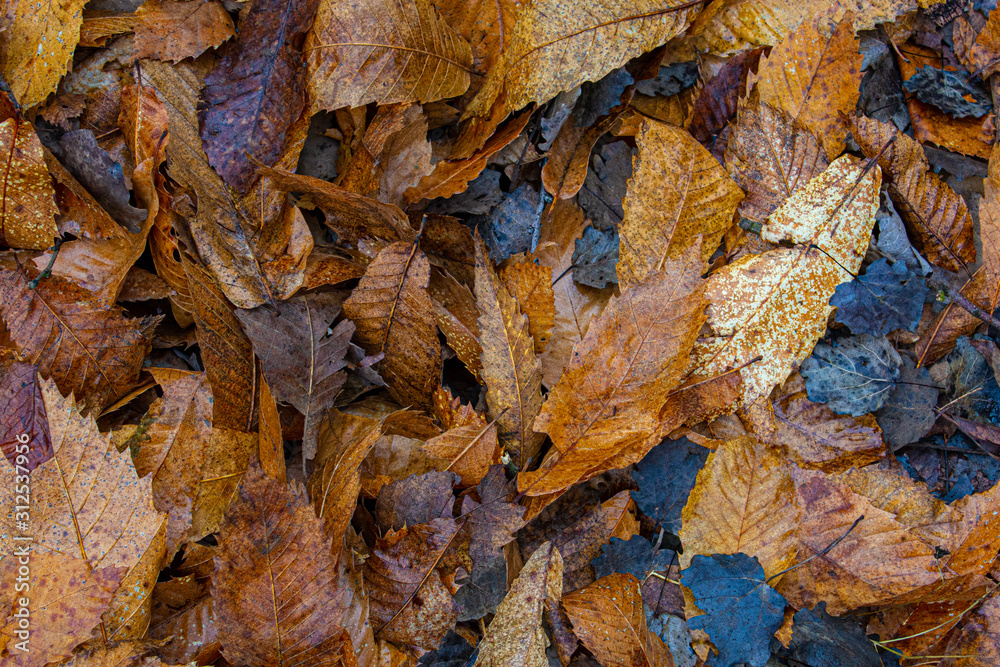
[(515, 637), (775, 305), (37, 49), (531, 286), (725, 28), (385, 52), (510, 368), (678, 192), (609, 397), (743, 502), (554, 47), (814, 78)]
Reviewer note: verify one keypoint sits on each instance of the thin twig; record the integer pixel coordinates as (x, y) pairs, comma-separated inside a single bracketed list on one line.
[(827, 550), (962, 302)]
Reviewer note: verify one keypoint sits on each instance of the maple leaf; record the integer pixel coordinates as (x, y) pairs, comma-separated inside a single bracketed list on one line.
[(609, 618), (515, 635), (303, 363), (662, 224), (274, 573), (94, 490), (177, 30), (510, 368), (393, 314), (608, 398), (352, 57), (27, 218), (85, 345), (776, 304)]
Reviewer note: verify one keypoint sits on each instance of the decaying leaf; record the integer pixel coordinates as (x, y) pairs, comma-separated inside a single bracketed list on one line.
[(854, 376), (394, 316), (27, 218), (171, 30), (677, 193)]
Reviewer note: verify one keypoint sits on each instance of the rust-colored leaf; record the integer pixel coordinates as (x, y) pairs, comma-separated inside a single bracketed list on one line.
[(172, 30), (24, 417), (458, 318), (279, 594), (394, 316), (716, 103), (27, 217), (531, 286)]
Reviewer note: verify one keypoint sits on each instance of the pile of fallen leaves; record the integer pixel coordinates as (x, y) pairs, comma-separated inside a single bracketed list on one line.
[(638, 333)]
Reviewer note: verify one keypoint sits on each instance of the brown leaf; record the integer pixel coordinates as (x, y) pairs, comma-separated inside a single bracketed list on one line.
[(88, 501), (743, 502), (279, 594), (756, 23), (27, 218), (99, 26), (515, 636), (344, 442), (576, 305), (394, 316), (229, 454), (771, 156), (814, 78), (407, 55), (171, 30), (173, 450), (609, 398), (936, 215), (188, 622), (34, 72), (24, 416), (609, 618), (596, 37), (775, 305), (226, 352), (409, 602), (257, 91), (302, 362), (510, 368), (68, 598), (86, 346), (531, 286), (716, 103), (165, 253), (453, 176), (678, 196), (270, 443), (491, 516), (469, 449), (485, 25), (457, 317), (415, 500), (976, 549)]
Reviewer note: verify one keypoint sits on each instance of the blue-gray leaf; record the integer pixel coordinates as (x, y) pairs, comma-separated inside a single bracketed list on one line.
[(884, 299), (950, 92), (855, 376), (665, 477)]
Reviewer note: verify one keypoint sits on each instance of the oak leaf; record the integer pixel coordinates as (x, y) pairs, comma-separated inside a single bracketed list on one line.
[(510, 368), (172, 30), (257, 91), (302, 355), (814, 78), (608, 399), (515, 636), (595, 38), (279, 593), (677, 193), (87, 500), (394, 316), (27, 219), (609, 618), (771, 156), (68, 598), (406, 54), (775, 305), (85, 345), (408, 598)]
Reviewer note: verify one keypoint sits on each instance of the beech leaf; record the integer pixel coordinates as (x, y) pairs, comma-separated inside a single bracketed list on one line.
[(854, 375)]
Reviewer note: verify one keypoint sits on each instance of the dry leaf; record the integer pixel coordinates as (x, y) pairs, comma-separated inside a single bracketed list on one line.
[(515, 636), (775, 305), (24, 416), (27, 218), (531, 286), (355, 54), (279, 594), (510, 368), (468, 448), (174, 30), (394, 317), (457, 317), (609, 397), (678, 192), (86, 346), (609, 618)]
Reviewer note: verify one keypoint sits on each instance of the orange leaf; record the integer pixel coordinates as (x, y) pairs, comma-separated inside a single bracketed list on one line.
[(27, 218)]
